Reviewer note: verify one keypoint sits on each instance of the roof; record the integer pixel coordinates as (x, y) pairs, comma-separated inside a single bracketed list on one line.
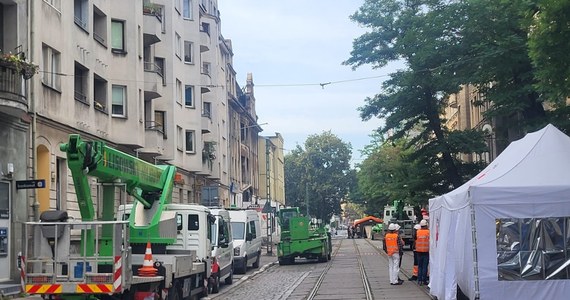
[(371, 219)]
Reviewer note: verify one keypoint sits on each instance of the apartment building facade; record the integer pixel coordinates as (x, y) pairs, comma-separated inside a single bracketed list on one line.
[(244, 136), (151, 78)]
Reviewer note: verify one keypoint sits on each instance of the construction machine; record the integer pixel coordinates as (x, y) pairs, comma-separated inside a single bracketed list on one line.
[(403, 215), (301, 238), (100, 256)]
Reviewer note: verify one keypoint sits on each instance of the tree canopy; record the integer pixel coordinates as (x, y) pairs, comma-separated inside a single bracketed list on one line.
[(318, 175)]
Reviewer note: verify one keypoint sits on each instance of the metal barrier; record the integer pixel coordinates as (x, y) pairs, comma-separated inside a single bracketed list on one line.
[(76, 257)]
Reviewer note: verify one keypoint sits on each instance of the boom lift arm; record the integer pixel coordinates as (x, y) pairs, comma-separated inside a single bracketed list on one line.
[(151, 185)]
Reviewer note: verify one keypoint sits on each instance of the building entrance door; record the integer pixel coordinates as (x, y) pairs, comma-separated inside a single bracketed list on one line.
[(5, 200)]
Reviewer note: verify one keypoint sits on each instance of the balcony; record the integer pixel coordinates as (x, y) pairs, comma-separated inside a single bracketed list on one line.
[(152, 81), (154, 140), (204, 41), (12, 98), (152, 24), (206, 123)]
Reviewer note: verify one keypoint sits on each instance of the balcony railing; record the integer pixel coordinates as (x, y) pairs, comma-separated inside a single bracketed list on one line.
[(11, 90), (152, 67), (151, 9)]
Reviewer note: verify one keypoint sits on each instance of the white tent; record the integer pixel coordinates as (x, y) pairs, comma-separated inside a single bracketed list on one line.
[(505, 234)]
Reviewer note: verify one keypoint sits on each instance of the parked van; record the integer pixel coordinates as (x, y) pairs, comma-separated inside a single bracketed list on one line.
[(222, 244), (246, 230)]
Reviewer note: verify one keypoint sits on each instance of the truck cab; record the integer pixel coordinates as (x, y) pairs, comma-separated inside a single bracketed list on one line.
[(222, 243)]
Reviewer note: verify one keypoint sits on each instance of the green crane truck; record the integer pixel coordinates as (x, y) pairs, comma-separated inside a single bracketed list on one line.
[(300, 238), (99, 255)]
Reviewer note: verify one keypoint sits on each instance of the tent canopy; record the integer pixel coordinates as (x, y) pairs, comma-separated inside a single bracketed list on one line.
[(370, 219), (525, 194)]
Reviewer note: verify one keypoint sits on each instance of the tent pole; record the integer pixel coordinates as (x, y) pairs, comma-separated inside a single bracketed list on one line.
[(474, 241)]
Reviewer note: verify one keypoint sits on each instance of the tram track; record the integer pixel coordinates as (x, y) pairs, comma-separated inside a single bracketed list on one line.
[(362, 270)]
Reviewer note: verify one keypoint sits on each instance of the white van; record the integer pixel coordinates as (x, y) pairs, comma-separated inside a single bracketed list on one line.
[(246, 230), (222, 244)]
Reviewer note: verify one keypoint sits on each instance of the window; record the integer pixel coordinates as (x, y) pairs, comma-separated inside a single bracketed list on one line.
[(190, 141), (179, 138), (178, 45), (100, 93), (80, 83), (206, 68), (207, 109), (119, 101), (187, 9), (193, 222), (205, 27), (188, 57), (178, 91), (118, 36), (159, 117), (51, 66), (80, 9), (60, 183), (159, 61), (532, 248), (252, 229), (189, 95), (179, 225), (4, 200), (99, 26)]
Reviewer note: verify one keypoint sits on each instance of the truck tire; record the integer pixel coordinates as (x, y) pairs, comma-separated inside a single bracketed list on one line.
[(230, 279), (256, 263)]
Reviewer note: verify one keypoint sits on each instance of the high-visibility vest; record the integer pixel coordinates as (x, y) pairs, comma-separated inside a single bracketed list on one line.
[(391, 240), (422, 240)]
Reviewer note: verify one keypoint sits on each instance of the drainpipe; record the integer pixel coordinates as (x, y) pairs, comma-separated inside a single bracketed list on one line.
[(35, 204)]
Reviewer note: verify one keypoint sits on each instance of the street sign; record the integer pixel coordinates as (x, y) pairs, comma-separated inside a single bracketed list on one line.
[(30, 184), (267, 208)]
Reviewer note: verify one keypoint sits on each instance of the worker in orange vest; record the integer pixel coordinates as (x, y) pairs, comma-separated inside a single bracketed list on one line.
[(391, 247), (422, 251), (415, 269)]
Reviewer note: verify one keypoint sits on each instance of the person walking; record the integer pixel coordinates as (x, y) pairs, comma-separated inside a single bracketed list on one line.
[(391, 248), (422, 250)]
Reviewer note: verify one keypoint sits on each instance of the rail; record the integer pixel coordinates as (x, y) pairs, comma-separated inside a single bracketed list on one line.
[(317, 286), (53, 255)]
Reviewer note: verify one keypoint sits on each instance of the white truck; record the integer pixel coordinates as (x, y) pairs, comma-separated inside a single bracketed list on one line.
[(150, 249), (246, 230), (404, 216)]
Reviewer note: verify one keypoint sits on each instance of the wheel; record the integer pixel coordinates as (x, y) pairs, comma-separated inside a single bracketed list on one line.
[(256, 263), (286, 261), (230, 279)]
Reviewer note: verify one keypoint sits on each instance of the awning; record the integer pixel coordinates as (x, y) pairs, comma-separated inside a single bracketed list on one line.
[(369, 219)]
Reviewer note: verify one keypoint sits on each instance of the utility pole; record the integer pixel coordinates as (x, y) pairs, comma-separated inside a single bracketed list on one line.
[(268, 192)]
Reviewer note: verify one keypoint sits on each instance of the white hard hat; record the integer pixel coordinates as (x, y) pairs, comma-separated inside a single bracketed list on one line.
[(397, 226), (392, 227), (423, 223), (417, 226)]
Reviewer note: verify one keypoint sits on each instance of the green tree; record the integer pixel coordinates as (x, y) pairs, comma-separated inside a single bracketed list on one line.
[(317, 174), (423, 33)]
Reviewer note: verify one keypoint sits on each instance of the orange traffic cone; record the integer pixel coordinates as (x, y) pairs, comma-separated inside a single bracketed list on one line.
[(148, 269)]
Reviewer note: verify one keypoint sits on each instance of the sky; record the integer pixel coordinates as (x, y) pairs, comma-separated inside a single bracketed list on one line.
[(291, 47)]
